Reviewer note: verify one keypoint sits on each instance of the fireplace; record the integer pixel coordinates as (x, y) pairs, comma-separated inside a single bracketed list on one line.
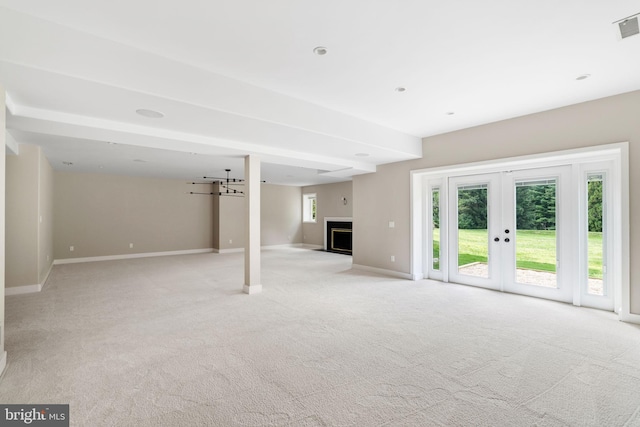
[(338, 235)]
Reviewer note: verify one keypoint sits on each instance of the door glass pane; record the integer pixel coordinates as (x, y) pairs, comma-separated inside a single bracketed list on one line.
[(473, 238), (536, 232), (435, 228), (595, 220)]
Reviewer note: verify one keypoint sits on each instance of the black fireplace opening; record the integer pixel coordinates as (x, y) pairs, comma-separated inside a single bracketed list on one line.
[(339, 237)]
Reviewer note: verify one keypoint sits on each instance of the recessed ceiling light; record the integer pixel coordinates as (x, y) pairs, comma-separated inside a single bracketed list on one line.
[(362, 154), (320, 50), (450, 113), (151, 114), (583, 77), (400, 89)]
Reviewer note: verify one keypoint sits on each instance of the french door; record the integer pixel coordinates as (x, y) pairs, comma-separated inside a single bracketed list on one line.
[(510, 231), (551, 226)]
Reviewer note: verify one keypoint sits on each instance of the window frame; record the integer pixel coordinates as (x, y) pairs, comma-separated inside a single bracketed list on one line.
[(310, 208)]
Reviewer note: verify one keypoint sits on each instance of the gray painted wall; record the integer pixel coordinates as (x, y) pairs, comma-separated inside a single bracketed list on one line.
[(22, 217), (329, 204), (2, 221), (29, 217), (280, 217), (384, 195), (101, 215), (232, 225), (45, 220)]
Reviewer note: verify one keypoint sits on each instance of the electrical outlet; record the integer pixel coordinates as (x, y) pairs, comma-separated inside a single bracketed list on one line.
[(230, 240), (71, 248), (392, 224), (393, 258), (130, 245)]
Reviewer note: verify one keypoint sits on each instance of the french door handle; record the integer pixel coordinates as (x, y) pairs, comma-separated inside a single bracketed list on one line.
[(497, 239), (506, 239)]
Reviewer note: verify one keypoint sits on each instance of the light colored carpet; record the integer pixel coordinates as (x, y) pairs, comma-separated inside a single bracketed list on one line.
[(172, 341)]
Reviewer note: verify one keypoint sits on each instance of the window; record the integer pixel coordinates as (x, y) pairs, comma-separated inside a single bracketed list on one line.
[(596, 233), (309, 207), (435, 228)]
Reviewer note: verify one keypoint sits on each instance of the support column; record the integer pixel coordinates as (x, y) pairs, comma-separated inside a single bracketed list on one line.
[(3, 130), (252, 283)]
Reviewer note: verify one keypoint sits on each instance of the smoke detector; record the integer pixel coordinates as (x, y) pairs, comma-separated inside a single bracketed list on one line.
[(628, 26)]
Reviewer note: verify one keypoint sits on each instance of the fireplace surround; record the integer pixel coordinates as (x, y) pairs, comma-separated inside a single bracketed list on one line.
[(338, 235)]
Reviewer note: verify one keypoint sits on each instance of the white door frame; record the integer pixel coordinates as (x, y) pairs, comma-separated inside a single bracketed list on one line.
[(618, 153)]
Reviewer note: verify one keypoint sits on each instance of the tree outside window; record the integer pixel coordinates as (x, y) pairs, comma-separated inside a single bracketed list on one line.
[(309, 207)]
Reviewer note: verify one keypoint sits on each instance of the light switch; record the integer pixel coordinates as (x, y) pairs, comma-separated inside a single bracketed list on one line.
[(392, 224)]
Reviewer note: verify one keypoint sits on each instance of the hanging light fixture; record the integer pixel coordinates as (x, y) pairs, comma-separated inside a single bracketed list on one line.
[(228, 185)]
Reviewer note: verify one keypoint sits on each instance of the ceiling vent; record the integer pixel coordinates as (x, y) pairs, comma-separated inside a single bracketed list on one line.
[(628, 26)]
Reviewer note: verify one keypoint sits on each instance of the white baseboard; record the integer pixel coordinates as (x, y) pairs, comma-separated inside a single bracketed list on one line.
[(28, 289), (19, 290), (228, 251), (168, 253), (630, 318), (266, 247), (383, 271), (292, 245), (46, 276), (253, 289), (131, 256)]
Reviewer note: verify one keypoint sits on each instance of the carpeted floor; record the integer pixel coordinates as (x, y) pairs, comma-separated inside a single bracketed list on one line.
[(172, 341)]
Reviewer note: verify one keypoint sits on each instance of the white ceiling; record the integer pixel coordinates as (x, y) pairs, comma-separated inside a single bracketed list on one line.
[(240, 77)]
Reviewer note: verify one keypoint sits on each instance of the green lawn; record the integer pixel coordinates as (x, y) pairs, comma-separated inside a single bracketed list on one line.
[(535, 249)]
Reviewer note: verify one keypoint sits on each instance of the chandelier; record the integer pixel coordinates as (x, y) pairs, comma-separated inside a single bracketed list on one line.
[(227, 185)]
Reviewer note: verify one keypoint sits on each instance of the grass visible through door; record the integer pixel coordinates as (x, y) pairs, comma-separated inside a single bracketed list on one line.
[(535, 250)]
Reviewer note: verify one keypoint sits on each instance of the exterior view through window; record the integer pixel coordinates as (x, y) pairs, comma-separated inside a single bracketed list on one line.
[(473, 238), (536, 239), (595, 241), (309, 207), (435, 228)]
